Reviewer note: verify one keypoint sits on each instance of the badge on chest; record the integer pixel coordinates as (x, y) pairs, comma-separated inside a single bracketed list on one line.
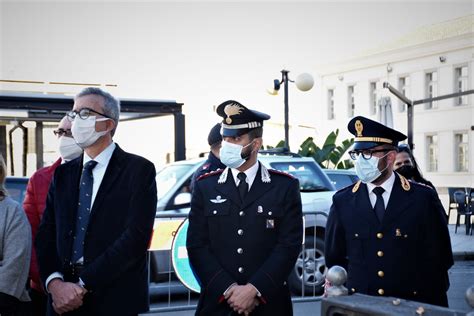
[(270, 223)]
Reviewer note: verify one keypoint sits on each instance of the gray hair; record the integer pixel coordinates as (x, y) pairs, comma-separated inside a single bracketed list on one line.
[(111, 104)]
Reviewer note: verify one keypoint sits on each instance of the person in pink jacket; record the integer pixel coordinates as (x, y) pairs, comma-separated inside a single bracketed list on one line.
[(35, 201)]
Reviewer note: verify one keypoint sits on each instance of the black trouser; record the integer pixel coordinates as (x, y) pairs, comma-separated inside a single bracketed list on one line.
[(11, 306), (38, 302)]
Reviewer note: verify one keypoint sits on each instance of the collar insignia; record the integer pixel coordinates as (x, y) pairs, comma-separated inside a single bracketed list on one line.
[(405, 183), (356, 186)]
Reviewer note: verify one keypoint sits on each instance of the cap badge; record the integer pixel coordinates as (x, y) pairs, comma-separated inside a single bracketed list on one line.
[(359, 128), (232, 109)]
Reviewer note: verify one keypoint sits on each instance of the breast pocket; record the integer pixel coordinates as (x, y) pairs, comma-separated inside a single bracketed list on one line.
[(357, 243), (268, 220), (218, 217)]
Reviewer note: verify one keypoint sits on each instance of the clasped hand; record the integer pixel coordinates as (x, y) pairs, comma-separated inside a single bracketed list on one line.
[(66, 296), (242, 298)]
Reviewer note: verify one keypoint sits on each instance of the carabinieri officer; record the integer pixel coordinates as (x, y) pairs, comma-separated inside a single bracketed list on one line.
[(389, 233), (245, 225)]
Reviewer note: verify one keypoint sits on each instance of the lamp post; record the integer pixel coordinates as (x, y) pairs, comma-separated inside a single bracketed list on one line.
[(304, 82)]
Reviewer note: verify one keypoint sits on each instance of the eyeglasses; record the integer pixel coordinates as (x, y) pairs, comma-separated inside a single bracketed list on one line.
[(62, 132), (84, 114), (366, 154)]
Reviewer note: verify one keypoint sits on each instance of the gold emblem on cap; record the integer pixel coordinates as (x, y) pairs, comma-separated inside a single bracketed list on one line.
[(359, 128), (232, 109)]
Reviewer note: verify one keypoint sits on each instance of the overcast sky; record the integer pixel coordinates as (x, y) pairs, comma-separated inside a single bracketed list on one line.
[(201, 53)]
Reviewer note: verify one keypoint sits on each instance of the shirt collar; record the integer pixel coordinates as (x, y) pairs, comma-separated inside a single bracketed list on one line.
[(103, 158), (387, 185), (251, 173)]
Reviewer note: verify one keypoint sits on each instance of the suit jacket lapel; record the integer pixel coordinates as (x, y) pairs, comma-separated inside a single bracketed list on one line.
[(112, 172), (363, 207), (397, 203), (257, 189), (229, 189)]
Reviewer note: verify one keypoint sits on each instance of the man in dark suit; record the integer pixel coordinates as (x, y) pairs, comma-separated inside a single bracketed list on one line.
[(245, 225), (93, 238), (389, 233)]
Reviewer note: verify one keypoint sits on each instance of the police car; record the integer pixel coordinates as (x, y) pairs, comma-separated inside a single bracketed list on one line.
[(174, 196)]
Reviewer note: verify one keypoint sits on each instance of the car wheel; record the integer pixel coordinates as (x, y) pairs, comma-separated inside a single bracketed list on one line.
[(308, 273)]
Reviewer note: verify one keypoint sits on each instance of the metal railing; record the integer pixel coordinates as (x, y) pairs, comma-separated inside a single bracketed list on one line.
[(312, 267)]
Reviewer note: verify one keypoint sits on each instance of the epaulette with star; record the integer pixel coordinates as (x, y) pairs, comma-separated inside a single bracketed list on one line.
[(282, 173), (212, 173)]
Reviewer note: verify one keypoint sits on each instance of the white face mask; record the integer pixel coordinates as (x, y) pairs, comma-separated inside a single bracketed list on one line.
[(68, 149), (84, 132), (367, 169), (231, 154)]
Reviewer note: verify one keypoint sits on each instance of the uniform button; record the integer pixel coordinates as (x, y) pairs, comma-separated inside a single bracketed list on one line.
[(270, 213), (353, 290), (241, 270), (414, 292), (240, 232), (240, 251), (380, 253), (381, 292), (241, 213), (356, 235), (379, 235), (381, 274)]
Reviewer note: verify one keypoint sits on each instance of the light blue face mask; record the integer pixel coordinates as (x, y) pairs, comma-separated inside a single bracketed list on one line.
[(367, 169), (231, 154)]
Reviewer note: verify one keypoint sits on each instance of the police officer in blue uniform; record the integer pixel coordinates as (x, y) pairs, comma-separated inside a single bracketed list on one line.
[(212, 163), (389, 233), (245, 225)]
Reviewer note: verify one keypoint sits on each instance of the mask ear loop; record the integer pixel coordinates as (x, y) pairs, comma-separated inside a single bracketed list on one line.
[(247, 156)]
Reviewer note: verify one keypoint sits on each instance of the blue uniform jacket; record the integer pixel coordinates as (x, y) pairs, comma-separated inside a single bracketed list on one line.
[(256, 241), (407, 255)]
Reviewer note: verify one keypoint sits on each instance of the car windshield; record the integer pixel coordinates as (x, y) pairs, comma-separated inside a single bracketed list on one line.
[(341, 180), (306, 172), (167, 177)]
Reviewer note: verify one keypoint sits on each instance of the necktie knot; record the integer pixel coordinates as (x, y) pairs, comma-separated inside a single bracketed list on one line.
[(378, 191), (241, 176), (90, 165)]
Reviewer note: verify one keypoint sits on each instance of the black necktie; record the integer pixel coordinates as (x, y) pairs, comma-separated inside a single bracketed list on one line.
[(83, 210), (243, 185), (379, 207)]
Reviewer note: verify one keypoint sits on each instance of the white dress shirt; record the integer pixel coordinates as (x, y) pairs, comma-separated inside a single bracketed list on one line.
[(251, 173), (98, 173), (387, 185)]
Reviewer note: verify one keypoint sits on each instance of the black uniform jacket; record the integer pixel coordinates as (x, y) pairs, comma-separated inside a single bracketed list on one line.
[(118, 233), (407, 255), (256, 241)]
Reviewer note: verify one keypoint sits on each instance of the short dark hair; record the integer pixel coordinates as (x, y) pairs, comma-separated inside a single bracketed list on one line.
[(255, 133)]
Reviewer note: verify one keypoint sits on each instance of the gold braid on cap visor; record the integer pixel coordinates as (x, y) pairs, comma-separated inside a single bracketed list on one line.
[(374, 140)]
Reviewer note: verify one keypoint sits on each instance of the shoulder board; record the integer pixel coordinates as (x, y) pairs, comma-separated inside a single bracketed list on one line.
[(282, 173), (356, 186), (420, 183), (206, 175), (405, 183)]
